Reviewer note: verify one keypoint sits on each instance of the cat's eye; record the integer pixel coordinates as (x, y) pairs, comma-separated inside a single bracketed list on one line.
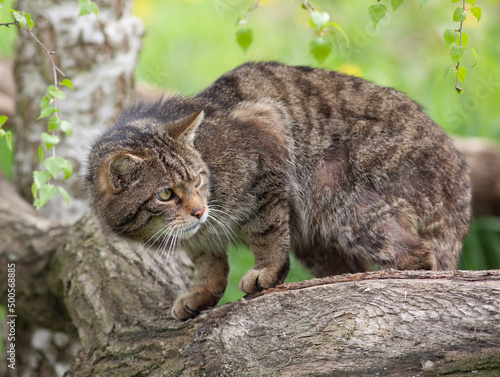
[(164, 195), (197, 181)]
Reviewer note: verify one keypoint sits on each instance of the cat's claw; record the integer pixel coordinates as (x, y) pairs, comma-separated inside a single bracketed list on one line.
[(190, 304), (257, 279)]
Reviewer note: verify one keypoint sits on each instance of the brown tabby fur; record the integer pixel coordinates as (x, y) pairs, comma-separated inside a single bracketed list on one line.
[(337, 170)]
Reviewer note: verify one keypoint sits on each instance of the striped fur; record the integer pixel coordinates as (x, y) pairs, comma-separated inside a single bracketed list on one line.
[(343, 173)]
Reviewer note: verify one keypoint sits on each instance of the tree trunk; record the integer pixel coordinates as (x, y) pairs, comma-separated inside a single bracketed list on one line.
[(78, 282), (99, 55)]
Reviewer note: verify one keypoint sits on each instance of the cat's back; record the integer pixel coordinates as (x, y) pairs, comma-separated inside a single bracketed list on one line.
[(300, 87), (372, 124), (322, 105)]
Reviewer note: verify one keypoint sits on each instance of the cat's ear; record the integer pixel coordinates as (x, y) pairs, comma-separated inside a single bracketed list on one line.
[(123, 170), (184, 129)]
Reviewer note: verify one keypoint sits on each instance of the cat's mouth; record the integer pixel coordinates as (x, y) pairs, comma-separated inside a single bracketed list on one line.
[(189, 230)]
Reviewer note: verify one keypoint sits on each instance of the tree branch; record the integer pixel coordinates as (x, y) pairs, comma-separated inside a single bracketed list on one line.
[(388, 322)]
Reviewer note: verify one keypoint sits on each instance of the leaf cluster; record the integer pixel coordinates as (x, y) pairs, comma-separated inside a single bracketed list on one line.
[(459, 41), (326, 35), (321, 46), (42, 189), (378, 11)]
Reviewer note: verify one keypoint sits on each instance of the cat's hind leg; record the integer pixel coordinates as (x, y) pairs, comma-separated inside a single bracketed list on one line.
[(386, 233), (324, 261)]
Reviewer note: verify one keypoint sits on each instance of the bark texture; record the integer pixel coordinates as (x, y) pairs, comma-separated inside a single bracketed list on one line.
[(99, 55), (82, 285)]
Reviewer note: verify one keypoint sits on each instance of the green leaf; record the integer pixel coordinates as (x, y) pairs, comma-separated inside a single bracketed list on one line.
[(319, 19), (19, 17), (376, 12), (448, 69), (456, 53), (54, 92), (471, 2), (65, 194), (320, 48), (34, 191), (465, 39), (244, 37), (46, 111), (54, 123), (31, 23), (55, 164), (450, 36), (459, 15), (422, 3), (66, 127), (40, 178), (8, 138), (87, 7), (3, 119), (47, 107), (462, 72), (41, 153), (341, 31), (49, 140), (474, 55), (396, 3), (476, 12), (67, 83), (45, 193), (455, 1)]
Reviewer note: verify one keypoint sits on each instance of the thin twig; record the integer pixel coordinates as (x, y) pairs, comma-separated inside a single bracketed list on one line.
[(308, 6), (55, 68), (49, 53), (460, 45), (244, 21)]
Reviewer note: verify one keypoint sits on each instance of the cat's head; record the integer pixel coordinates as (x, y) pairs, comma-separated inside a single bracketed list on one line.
[(146, 180)]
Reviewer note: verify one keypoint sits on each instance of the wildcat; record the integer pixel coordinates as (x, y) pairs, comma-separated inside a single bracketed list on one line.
[(340, 172)]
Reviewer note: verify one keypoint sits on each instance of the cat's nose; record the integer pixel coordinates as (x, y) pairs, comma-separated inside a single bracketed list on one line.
[(198, 212)]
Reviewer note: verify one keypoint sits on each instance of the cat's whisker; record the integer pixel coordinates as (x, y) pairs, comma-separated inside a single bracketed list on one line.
[(174, 244), (158, 234), (158, 255), (216, 233), (221, 210), (163, 247), (222, 223), (227, 230), (224, 212)]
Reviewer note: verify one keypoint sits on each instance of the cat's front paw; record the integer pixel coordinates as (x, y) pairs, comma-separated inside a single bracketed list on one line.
[(190, 304), (257, 279)]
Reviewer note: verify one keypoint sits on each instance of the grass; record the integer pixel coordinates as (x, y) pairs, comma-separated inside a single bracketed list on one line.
[(241, 260), (189, 44)]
